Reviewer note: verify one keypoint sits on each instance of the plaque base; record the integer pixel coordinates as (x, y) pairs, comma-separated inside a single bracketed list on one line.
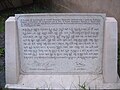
[(15, 80), (62, 82)]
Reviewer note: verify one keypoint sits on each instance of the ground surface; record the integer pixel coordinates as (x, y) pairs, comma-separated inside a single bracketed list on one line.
[(34, 8)]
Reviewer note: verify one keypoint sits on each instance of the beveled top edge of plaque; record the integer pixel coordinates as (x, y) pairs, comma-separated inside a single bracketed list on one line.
[(60, 14)]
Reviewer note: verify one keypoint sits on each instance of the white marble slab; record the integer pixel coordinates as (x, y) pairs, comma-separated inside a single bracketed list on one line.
[(61, 43), (110, 56), (62, 82), (107, 80), (11, 51)]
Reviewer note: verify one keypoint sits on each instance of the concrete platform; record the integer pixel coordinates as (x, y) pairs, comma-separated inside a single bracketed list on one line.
[(62, 82)]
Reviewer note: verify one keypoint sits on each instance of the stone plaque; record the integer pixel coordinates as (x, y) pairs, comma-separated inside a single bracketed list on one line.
[(60, 43)]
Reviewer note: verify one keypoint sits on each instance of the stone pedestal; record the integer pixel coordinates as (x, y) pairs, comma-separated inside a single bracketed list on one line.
[(110, 51), (107, 80)]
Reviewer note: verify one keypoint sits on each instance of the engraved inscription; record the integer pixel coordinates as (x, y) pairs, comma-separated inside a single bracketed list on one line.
[(60, 44)]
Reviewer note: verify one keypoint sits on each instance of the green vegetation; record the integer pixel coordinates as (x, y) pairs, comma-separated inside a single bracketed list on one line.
[(4, 89), (39, 6), (2, 51), (83, 86), (1, 68), (2, 20)]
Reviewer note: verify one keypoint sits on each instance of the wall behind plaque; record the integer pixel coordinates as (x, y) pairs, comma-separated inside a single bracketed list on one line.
[(110, 7), (6, 4)]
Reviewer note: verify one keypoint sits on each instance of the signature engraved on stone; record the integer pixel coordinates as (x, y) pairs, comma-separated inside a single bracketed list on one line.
[(79, 64), (43, 64)]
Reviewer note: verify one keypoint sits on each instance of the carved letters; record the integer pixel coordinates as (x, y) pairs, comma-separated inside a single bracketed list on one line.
[(51, 43)]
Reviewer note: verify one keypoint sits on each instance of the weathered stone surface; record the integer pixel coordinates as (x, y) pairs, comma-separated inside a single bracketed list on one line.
[(27, 80), (110, 51), (11, 51), (61, 43)]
